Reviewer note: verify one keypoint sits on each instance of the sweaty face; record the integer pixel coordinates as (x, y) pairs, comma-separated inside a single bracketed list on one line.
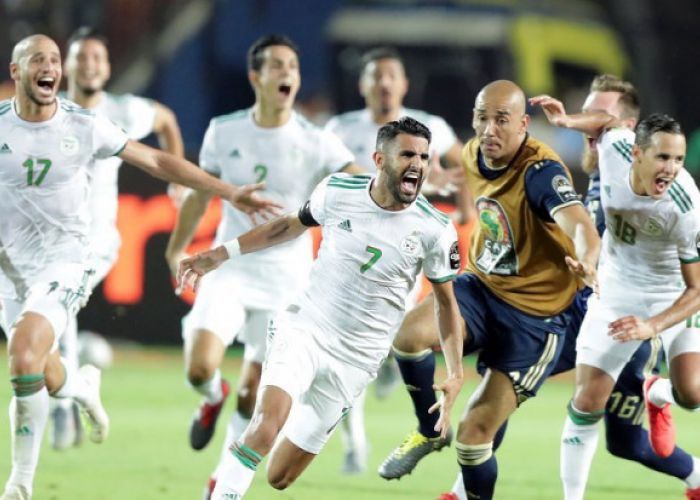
[(38, 71), (383, 84), (87, 65), (500, 125), (279, 79), (607, 102), (660, 162), (405, 166)]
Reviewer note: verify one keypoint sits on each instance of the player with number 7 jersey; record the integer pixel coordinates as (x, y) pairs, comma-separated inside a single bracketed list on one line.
[(323, 350)]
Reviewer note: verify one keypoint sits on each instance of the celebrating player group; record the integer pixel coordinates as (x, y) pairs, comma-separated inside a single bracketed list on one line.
[(603, 285)]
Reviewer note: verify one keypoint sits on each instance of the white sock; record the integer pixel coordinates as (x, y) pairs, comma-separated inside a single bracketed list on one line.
[(458, 488), (693, 480), (211, 389), (234, 477), (28, 418), (74, 385), (353, 428), (578, 445), (235, 428), (661, 392), (68, 343)]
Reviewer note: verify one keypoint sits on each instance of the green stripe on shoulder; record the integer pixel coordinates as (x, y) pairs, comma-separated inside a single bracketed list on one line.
[(624, 149), (347, 186), (236, 115), (680, 198), (427, 207)]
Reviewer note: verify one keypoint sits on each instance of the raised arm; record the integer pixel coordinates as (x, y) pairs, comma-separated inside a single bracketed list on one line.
[(450, 325), (171, 168), (274, 232), (167, 130), (591, 123), (577, 224)]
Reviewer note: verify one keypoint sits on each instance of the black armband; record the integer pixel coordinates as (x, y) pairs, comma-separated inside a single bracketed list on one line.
[(305, 216)]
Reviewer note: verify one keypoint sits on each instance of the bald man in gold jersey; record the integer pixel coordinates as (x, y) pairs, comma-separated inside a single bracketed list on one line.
[(533, 248)]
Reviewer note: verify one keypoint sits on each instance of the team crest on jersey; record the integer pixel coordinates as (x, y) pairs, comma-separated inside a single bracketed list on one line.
[(652, 227), (69, 145), (411, 244), (498, 253), (564, 189)]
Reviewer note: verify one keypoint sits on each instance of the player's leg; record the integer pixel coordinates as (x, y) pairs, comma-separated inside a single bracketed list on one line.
[(354, 438), (291, 366), (207, 330), (600, 359), (64, 428)]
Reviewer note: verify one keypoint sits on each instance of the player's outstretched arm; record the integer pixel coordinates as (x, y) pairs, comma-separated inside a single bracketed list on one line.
[(633, 328), (577, 224), (167, 130), (271, 233), (193, 206), (450, 326), (170, 168), (591, 123)]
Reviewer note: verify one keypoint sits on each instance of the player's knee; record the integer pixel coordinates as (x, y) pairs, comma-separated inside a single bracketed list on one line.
[(475, 430), (588, 402), (280, 479), (688, 396), (245, 399), (198, 374), (25, 362)]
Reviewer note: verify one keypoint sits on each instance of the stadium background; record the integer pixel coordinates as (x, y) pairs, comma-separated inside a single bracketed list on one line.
[(190, 55)]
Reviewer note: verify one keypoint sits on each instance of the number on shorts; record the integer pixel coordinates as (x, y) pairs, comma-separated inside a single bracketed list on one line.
[(376, 254), (29, 165)]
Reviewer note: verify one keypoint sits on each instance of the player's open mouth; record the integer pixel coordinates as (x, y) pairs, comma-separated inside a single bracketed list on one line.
[(410, 181), (46, 84), (285, 90), (662, 183)]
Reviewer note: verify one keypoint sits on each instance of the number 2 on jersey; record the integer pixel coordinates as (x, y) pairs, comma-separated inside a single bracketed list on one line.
[(261, 172), (376, 254), (29, 165)]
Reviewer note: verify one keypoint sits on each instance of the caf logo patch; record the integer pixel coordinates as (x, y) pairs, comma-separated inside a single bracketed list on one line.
[(455, 263)]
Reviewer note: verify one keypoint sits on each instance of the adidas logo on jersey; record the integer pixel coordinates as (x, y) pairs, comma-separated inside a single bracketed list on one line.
[(235, 153), (346, 226), (5, 148)]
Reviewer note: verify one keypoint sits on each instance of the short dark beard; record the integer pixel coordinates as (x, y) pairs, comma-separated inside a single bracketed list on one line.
[(393, 184), (89, 91), (34, 99)]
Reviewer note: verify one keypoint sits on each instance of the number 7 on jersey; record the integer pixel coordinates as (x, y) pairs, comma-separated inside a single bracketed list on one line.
[(376, 254)]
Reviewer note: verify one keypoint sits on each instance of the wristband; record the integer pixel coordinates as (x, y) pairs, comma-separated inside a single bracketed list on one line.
[(233, 248)]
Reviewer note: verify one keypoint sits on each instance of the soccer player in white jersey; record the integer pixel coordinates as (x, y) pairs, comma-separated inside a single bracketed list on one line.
[(87, 70), (270, 142), (378, 233), (47, 145), (649, 279), (383, 84)]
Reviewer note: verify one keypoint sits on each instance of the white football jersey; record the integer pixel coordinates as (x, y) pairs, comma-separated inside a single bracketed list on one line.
[(44, 187), (645, 239), (291, 159), (358, 131), (136, 116), (368, 263)]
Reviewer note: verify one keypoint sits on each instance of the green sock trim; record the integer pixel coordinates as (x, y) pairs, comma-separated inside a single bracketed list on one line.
[(26, 385), (583, 418), (680, 403), (247, 456)]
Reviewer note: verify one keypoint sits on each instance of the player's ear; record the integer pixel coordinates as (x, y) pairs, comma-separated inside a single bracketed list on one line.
[(637, 152), (14, 71), (525, 121), (254, 79), (378, 158)]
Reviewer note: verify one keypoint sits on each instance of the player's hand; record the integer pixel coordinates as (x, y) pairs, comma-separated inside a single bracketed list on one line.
[(585, 272), (553, 109), (450, 388), (247, 200), (173, 259), (631, 328), (443, 181), (192, 269)]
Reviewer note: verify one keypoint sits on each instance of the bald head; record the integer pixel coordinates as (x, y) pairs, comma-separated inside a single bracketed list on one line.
[(505, 93), (500, 121), (29, 44)]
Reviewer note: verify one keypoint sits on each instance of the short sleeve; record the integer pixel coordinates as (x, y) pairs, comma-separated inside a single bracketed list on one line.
[(442, 260), (142, 113), (107, 139), (317, 202), (335, 155), (207, 155), (548, 188), (443, 137)]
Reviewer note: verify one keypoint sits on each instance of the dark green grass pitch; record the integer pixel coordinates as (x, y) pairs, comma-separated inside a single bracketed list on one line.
[(147, 455)]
